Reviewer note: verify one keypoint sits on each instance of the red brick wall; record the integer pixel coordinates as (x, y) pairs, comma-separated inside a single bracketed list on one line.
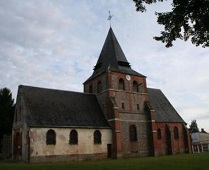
[(177, 145)]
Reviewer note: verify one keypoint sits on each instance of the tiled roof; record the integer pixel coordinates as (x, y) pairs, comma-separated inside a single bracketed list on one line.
[(164, 111), (57, 108)]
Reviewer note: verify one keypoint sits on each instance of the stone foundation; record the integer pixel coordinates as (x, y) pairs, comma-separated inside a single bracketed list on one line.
[(66, 158)]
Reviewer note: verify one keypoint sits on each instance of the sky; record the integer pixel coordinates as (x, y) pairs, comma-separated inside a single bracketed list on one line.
[(56, 44)]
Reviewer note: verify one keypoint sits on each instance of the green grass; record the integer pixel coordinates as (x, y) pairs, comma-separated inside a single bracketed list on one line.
[(178, 162)]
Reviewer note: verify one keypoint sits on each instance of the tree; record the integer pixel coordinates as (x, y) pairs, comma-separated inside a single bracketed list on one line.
[(6, 111), (193, 127), (189, 19)]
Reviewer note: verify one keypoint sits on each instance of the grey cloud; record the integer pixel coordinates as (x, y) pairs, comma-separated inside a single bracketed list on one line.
[(56, 45)]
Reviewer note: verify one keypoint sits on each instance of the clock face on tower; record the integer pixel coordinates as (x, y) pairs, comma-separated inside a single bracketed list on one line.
[(128, 77)]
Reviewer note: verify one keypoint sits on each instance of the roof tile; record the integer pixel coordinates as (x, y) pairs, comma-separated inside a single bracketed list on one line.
[(164, 111), (53, 108)]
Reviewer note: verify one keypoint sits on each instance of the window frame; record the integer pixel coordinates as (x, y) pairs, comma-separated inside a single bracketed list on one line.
[(51, 137), (122, 105), (73, 137), (121, 84), (97, 137), (132, 133), (137, 107), (176, 133), (159, 134), (90, 88), (135, 86), (99, 86)]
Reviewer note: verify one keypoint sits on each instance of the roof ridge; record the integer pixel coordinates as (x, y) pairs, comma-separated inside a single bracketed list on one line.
[(51, 89)]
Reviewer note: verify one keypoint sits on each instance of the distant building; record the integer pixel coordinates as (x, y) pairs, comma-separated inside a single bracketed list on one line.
[(116, 116), (200, 141)]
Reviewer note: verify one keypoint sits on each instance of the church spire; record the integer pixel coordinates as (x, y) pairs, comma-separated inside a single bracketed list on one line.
[(112, 57)]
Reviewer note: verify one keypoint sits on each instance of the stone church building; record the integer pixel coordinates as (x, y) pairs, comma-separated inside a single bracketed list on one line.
[(116, 116)]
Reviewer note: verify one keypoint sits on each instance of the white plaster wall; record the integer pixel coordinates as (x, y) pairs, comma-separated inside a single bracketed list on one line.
[(85, 144), (204, 137), (200, 137)]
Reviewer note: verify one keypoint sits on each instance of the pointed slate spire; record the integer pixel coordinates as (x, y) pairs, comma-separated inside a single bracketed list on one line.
[(112, 55), (112, 58)]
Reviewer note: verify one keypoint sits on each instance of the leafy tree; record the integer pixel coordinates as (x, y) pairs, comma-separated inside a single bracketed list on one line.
[(188, 19), (6, 111), (193, 127)]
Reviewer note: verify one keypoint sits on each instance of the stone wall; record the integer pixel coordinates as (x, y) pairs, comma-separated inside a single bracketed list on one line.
[(141, 147)]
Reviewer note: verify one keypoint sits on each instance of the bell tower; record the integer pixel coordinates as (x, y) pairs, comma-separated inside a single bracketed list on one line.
[(122, 94)]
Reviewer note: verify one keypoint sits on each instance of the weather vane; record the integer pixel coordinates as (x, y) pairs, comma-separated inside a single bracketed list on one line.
[(109, 18)]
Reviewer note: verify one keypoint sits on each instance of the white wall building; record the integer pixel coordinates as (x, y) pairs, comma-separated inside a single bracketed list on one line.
[(200, 141)]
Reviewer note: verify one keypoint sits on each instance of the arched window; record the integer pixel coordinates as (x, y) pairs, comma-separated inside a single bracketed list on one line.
[(50, 137), (176, 133), (73, 137), (158, 134), (97, 137), (121, 84), (132, 133), (90, 89), (135, 86), (99, 87)]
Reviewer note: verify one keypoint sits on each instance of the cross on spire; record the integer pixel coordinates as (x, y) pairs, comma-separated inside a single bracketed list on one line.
[(109, 18)]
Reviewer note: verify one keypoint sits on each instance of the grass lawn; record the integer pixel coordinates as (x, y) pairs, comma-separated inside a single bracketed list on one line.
[(178, 162)]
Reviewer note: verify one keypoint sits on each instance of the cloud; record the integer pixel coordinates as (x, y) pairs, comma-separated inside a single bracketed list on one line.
[(56, 45)]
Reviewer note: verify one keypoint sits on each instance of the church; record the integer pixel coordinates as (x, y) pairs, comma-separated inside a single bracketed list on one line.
[(117, 116)]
